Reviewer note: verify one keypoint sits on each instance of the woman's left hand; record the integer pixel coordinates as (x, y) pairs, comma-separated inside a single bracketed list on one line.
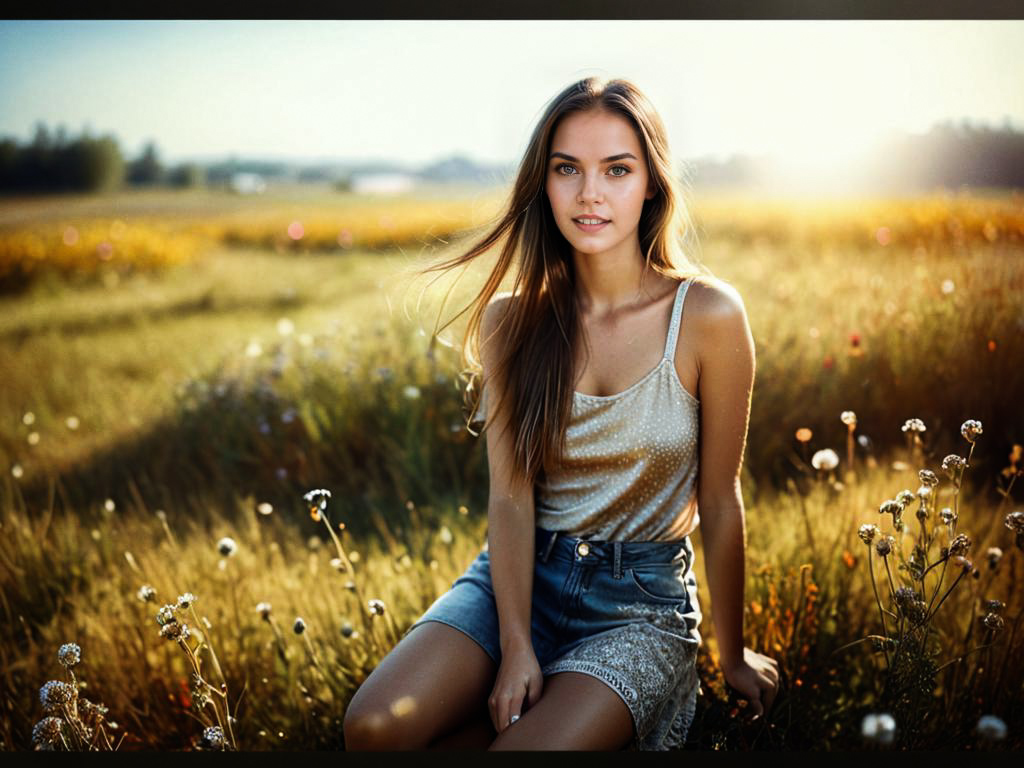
[(756, 678)]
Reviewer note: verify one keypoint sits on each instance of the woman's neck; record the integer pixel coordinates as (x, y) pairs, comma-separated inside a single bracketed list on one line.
[(610, 281)]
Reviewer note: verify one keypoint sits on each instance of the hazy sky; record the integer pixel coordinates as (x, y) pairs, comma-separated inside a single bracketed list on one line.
[(416, 91)]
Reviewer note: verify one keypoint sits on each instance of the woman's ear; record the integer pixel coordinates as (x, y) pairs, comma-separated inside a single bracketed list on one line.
[(652, 189)]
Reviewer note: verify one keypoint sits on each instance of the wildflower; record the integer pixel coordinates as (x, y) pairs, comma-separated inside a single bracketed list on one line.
[(350, 585), (288, 416), (56, 694), (17, 471), (1015, 522), (952, 464), (109, 505), (347, 630), (959, 545), (849, 418), (803, 434), (411, 392), (165, 615), (264, 508), (227, 546), (963, 562), (993, 621), (263, 609), (338, 564), (317, 500), (994, 606), (910, 605), (994, 555), (69, 654), (89, 712), (445, 534), (970, 429), (947, 516), (867, 533), (884, 546), (991, 727), (890, 507), (913, 425), (146, 593), (905, 497), (864, 442), (928, 478), (185, 600), (46, 732), (825, 459), (72, 422), (880, 729), (376, 607), (299, 627), (213, 737), (174, 630), (264, 428)]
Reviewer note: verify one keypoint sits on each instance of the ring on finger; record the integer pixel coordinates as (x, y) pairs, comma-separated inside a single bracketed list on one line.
[(513, 719)]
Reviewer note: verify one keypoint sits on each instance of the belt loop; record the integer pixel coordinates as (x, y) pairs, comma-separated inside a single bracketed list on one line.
[(549, 547), (617, 568)]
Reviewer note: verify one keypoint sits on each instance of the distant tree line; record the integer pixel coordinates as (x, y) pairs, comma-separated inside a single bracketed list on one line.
[(55, 162), (952, 155)]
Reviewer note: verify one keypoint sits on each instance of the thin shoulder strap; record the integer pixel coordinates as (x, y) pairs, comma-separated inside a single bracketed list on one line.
[(677, 312)]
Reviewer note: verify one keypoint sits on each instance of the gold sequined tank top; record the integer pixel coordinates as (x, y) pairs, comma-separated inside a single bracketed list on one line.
[(629, 471)]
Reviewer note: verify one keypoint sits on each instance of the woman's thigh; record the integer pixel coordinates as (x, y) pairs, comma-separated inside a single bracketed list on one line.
[(429, 684)]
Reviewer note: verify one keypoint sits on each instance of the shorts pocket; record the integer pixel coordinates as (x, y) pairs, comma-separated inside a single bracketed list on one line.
[(661, 583)]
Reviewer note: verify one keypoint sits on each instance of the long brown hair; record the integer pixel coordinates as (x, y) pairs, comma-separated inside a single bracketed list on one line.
[(541, 324)]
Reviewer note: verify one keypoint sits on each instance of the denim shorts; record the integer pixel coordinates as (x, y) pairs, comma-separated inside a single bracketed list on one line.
[(623, 612)]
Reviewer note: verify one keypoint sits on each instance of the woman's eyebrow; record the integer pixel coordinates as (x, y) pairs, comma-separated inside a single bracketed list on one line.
[(572, 159)]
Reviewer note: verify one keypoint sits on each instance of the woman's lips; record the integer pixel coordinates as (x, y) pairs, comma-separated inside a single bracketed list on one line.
[(590, 227)]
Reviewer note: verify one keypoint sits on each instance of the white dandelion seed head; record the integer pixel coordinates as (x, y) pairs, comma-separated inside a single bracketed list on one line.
[(1015, 521), (318, 496), (970, 429), (263, 609), (880, 728), (227, 546), (166, 614), (947, 286), (185, 600), (411, 392), (146, 593), (264, 508), (849, 418), (991, 727), (825, 459), (214, 737), (109, 505), (928, 478), (69, 654), (47, 731), (914, 425), (376, 607), (299, 627), (445, 534), (55, 694)]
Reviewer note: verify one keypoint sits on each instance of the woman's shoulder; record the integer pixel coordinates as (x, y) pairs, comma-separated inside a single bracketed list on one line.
[(495, 312), (710, 299)]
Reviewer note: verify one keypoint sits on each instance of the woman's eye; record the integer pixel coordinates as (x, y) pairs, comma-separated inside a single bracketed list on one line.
[(563, 165), (622, 168)]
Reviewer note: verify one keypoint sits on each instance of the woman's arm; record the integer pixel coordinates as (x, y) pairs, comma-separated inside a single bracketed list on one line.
[(726, 360), (510, 544)]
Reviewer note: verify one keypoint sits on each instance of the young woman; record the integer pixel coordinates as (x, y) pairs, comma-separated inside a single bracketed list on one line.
[(613, 411)]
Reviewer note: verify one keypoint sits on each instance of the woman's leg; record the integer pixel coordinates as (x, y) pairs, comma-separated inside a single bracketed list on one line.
[(477, 733), (434, 681), (575, 711)]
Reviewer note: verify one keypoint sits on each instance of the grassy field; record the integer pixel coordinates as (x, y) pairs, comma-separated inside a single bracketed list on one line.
[(150, 409)]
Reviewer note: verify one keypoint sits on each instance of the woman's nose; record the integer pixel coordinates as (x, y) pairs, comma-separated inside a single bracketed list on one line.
[(590, 188)]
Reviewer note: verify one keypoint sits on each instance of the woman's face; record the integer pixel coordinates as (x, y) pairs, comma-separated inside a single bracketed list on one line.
[(597, 168)]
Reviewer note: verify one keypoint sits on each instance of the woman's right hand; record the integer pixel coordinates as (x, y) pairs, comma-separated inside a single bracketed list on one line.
[(517, 686)]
